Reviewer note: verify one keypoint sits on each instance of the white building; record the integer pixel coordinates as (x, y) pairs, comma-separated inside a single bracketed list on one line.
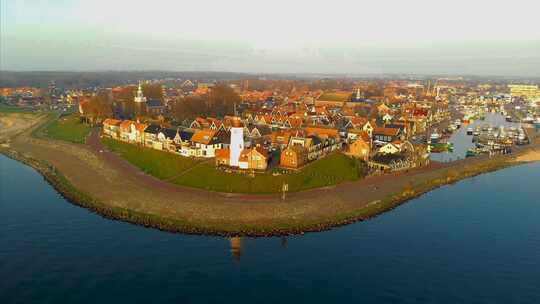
[(237, 143)]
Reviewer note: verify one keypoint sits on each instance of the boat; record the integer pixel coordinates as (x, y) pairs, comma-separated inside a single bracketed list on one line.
[(470, 131), (508, 118), (471, 152), (527, 119), (441, 147), (434, 137)]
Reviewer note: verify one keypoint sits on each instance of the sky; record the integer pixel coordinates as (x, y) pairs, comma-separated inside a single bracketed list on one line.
[(460, 37)]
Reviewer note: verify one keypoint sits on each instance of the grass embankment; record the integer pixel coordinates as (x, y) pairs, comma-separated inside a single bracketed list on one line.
[(331, 170), (68, 128), (13, 109), (160, 164)]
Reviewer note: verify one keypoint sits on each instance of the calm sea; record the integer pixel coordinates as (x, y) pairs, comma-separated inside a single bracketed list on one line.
[(474, 242)]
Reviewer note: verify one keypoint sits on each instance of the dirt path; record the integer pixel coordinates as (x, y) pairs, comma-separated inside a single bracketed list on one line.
[(13, 123), (115, 182)]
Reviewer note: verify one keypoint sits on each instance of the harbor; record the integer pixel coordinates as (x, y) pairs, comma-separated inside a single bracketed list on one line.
[(491, 134)]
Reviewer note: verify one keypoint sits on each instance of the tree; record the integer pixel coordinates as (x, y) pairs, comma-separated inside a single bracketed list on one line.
[(221, 100), (153, 91), (218, 103), (99, 108)]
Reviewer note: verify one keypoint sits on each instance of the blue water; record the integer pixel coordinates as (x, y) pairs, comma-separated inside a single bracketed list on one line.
[(474, 242)]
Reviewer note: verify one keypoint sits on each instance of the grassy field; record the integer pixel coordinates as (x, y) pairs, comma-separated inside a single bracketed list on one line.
[(12, 109), (68, 128), (331, 170), (162, 165)]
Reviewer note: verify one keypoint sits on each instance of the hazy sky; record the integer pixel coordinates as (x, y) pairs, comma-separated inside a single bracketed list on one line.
[(334, 36)]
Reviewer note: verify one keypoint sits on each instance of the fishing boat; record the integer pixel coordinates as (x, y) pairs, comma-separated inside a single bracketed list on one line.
[(470, 131)]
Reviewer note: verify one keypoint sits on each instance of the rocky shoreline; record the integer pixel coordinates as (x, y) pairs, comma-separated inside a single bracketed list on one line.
[(57, 180)]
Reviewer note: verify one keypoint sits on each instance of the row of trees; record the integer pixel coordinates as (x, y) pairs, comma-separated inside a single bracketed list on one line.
[(218, 102)]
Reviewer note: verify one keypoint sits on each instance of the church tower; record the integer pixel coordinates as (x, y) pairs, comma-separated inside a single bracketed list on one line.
[(140, 102), (139, 98)]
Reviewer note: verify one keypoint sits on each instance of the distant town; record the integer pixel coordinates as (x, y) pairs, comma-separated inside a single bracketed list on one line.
[(257, 125)]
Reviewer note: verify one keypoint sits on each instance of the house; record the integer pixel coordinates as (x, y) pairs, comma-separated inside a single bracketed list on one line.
[(293, 157), (205, 142), (359, 148), (390, 148), (353, 134), (111, 127), (125, 131), (280, 139), (249, 159), (253, 159), (170, 139), (312, 143), (151, 137), (361, 123), (387, 118), (382, 135), (132, 132), (257, 131), (183, 139), (223, 157), (389, 162), (329, 137)]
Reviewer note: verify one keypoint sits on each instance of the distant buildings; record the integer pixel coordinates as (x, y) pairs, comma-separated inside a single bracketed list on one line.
[(526, 91)]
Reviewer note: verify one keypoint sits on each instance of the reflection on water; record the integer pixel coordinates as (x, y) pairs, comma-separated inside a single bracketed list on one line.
[(236, 248)]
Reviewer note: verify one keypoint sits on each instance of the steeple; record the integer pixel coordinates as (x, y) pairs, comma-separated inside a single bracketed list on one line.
[(140, 97)]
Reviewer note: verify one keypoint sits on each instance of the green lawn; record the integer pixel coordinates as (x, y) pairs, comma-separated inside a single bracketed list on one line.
[(331, 170), (162, 165), (13, 109), (68, 128)]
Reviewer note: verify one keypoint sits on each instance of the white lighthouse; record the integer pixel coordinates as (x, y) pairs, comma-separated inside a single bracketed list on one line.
[(237, 143)]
